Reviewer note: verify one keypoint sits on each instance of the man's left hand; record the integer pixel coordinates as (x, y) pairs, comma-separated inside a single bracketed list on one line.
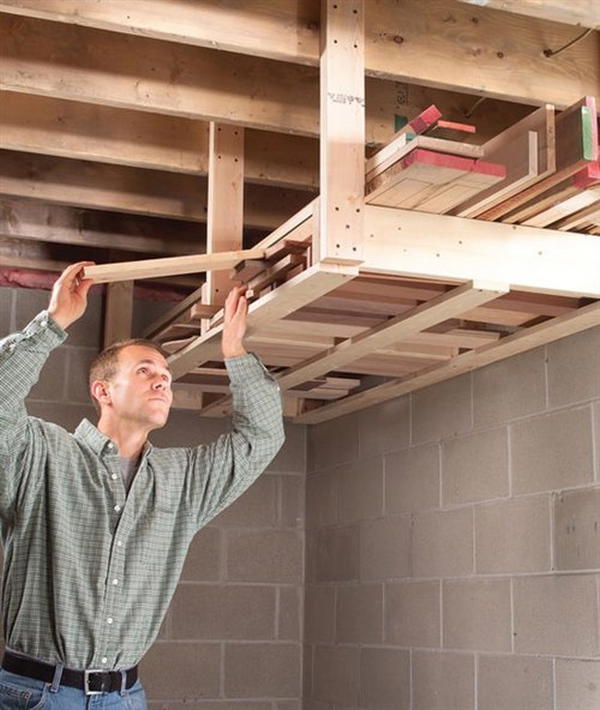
[(234, 329)]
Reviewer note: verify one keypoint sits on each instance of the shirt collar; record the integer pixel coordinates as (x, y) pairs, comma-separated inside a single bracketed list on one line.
[(99, 442)]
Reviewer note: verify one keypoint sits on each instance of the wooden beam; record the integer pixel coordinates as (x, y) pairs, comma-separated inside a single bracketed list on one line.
[(225, 217), (289, 297), (403, 327), (585, 13), (31, 220), (454, 250), (71, 129), (157, 268), (118, 312), (123, 189), (559, 327), (158, 77), (342, 176), (476, 50)]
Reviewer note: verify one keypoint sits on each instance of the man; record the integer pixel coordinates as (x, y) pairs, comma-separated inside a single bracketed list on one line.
[(96, 525)]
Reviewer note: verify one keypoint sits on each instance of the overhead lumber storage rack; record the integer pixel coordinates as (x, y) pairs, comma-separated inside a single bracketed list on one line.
[(437, 255)]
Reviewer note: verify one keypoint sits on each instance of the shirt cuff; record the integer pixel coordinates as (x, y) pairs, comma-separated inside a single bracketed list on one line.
[(43, 325), (246, 368)]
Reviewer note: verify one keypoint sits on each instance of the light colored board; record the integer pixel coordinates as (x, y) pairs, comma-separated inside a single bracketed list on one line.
[(431, 182), (526, 149), (445, 306), (587, 215), (31, 220), (585, 13), (560, 327), (460, 53), (342, 126), (401, 146), (573, 185), (455, 250), (225, 212), (289, 297), (83, 131), (576, 147), (118, 312), (564, 209), (123, 189), (157, 268)]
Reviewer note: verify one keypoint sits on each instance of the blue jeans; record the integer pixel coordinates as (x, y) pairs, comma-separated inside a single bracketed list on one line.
[(18, 692)]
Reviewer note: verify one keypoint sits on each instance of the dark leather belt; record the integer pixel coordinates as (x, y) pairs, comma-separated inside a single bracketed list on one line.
[(92, 682)]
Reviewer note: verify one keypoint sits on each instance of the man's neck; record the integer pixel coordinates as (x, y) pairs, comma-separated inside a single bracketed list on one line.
[(128, 437)]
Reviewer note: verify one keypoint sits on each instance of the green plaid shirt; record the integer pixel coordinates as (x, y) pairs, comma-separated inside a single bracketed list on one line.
[(88, 571)]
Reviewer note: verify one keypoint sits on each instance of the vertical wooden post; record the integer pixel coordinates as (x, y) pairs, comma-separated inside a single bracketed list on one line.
[(342, 173), (225, 219), (118, 312)]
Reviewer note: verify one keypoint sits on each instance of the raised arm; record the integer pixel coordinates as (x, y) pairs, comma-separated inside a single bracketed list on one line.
[(22, 356), (222, 471)]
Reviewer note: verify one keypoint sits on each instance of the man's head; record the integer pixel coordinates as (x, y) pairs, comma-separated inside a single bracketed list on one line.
[(131, 381)]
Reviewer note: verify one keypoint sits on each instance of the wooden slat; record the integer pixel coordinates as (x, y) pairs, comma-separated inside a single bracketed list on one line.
[(560, 327), (565, 209), (448, 305), (446, 55), (155, 268), (576, 147), (289, 297), (573, 185), (432, 182), (527, 151), (401, 146)]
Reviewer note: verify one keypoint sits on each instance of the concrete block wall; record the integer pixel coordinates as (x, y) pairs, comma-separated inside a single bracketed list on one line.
[(453, 543), (232, 637)]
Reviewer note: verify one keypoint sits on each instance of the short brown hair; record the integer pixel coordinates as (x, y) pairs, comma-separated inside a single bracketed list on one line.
[(104, 365)]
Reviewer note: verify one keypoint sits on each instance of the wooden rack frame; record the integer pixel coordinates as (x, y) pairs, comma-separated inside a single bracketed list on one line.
[(353, 303)]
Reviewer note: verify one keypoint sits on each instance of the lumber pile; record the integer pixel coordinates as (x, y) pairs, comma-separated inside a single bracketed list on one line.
[(543, 171)]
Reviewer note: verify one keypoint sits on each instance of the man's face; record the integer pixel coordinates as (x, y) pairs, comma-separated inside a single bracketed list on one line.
[(140, 391)]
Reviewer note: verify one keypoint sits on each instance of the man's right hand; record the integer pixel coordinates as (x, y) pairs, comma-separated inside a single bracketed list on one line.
[(69, 295)]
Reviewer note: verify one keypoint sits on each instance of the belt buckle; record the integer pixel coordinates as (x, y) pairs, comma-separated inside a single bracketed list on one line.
[(86, 681)]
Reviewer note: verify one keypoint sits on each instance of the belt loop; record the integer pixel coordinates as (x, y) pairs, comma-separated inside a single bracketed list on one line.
[(58, 671), (123, 681)]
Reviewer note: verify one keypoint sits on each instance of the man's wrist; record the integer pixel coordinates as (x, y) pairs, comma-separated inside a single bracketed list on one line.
[(229, 354), (62, 322)]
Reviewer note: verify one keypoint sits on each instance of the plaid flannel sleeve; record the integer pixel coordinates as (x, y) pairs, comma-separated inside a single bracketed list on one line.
[(223, 470), (22, 356)]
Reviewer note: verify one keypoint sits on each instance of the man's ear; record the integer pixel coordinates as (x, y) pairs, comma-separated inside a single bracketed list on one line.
[(99, 390)]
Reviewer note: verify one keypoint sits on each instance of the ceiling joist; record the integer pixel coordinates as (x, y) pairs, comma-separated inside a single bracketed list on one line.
[(439, 44)]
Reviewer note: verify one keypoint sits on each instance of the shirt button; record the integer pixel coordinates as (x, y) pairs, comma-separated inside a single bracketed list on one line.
[(104, 659), (119, 543), (117, 508), (110, 445), (109, 620), (114, 476), (115, 581)]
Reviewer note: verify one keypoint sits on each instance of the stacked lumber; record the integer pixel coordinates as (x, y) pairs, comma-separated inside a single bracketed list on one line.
[(542, 171)]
